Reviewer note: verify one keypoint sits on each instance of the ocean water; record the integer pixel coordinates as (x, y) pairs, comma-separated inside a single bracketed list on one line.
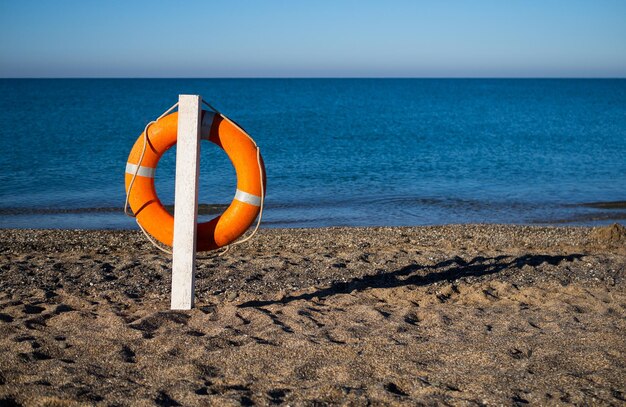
[(355, 152)]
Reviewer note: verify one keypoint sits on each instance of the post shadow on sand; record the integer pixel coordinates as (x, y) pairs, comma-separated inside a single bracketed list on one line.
[(406, 276)]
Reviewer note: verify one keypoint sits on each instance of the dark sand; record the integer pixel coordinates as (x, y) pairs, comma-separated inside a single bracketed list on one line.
[(460, 315)]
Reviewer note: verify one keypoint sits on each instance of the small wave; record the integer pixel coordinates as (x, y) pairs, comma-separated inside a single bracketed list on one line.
[(50, 211), (605, 205), (585, 218), (203, 209)]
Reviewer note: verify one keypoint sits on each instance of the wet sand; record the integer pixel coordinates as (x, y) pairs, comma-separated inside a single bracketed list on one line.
[(460, 315)]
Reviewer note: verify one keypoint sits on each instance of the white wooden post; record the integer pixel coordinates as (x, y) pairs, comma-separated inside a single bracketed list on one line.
[(186, 201)]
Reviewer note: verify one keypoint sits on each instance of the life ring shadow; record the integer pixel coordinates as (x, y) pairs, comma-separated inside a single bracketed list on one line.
[(478, 266)]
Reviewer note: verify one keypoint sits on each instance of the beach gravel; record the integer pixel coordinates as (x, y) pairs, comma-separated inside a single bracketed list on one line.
[(451, 315)]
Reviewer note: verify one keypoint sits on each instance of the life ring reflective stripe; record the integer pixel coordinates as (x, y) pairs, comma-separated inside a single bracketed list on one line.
[(242, 151)]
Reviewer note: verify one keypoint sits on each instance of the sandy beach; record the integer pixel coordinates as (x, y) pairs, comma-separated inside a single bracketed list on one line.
[(453, 315)]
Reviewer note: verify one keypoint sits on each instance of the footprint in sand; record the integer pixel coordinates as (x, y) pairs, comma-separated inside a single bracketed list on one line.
[(34, 356), (39, 321), (411, 319), (62, 308), (276, 320), (33, 309), (277, 396), (164, 400), (6, 317), (519, 354), (152, 323), (391, 387), (127, 354)]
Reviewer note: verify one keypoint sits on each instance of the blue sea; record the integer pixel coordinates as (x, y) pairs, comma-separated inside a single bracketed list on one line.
[(338, 152)]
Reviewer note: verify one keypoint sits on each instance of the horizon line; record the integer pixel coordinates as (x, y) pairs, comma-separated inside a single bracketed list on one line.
[(313, 77)]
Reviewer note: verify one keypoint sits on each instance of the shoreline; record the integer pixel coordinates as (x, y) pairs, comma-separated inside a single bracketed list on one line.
[(461, 314), (600, 213)]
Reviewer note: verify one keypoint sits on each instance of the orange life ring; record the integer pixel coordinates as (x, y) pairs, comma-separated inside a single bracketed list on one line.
[(242, 151)]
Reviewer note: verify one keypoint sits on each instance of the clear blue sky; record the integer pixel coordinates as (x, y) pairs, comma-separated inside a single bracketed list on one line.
[(430, 38)]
